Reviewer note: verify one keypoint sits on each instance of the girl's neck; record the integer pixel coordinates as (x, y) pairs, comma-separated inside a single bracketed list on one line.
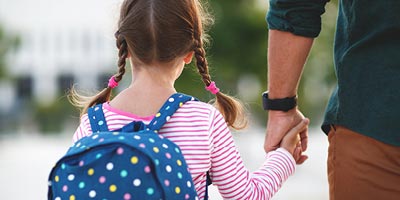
[(149, 89)]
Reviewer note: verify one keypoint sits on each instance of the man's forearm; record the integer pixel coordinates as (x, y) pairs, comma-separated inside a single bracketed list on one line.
[(287, 54)]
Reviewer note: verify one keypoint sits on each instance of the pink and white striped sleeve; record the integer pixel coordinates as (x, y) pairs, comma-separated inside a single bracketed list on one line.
[(83, 129), (229, 174)]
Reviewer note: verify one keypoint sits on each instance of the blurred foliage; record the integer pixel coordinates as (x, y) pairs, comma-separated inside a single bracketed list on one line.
[(319, 77), (238, 47), (51, 118)]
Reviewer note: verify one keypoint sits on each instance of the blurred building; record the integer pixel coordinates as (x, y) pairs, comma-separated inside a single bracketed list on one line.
[(62, 42)]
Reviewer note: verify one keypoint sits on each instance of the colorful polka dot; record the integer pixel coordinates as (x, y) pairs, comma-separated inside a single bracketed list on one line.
[(147, 169), (127, 196), (171, 99), (71, 177), (109, 166), (90, 171), (95, 137), (102, 179), (123, 173), (168, 168), (168, 155), (65, 188), (101, 122), (150, 191), (157, 162), (177, 150), (113, 188), (81, 185), (179, 175), (137, 137), (156, 150), (177, 190), (63, 166), (81, 163), (101, 140), (120, 151), (167, 118), (134, 160), (72, 197), (151, 140), (179, 162), (167, 108), (92, 194), (166, 182), (98, 155), (57, 198), (165, 146), (158, 114), (137, 182), (121, 137), (142, 145), (187, 196), (189, 184), (57, 178)]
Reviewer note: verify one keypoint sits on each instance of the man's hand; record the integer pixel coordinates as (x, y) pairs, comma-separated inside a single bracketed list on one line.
[(279, 123), (292, 142)]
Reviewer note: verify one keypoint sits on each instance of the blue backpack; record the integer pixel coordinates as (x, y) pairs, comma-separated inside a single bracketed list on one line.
[(131, 163)]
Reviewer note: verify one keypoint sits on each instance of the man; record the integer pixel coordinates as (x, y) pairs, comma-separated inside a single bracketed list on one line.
[(362, 118)]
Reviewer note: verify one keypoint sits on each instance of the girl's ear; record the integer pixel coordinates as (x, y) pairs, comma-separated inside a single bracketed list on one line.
[(188, 58)]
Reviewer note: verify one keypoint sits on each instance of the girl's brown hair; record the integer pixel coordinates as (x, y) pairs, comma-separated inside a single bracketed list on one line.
[(159, 31)]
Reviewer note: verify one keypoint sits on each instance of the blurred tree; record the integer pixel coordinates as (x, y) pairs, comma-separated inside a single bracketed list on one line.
[(319, 77), (239, 46)]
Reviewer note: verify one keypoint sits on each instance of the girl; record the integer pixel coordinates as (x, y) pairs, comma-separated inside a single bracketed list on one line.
[(159, 37)]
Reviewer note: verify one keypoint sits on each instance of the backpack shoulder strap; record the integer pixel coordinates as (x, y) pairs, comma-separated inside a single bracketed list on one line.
[(173, 103), (97, 120)]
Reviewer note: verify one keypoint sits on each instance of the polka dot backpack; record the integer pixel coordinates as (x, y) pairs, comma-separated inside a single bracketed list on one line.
[(132, 163)]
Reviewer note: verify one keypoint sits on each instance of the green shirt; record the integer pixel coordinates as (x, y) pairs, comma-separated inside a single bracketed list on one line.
[(366, 58)]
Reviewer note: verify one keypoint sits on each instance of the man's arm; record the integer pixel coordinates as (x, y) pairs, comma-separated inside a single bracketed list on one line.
[(287, 54)]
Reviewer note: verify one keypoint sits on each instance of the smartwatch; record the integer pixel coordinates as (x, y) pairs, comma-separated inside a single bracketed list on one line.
[(284, 104)]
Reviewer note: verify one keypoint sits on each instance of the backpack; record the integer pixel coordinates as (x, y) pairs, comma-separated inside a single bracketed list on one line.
[(131, 163)]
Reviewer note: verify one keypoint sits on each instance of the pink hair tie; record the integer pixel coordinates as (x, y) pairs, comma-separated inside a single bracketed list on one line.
[(212, 88), (112, 83)]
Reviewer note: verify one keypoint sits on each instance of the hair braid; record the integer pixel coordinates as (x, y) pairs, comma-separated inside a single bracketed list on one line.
[(122, 54), (202, 64), (85, 102), (232, 110)]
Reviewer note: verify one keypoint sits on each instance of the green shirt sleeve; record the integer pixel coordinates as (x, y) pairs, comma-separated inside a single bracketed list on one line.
[(300, 17)]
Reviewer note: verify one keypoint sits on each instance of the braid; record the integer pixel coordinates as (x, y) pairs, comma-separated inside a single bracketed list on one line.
[(85, 102), (122, 54), (232, 110), (202, 64)]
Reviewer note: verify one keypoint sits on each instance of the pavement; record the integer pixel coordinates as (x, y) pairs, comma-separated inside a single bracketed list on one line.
[(26, 160)]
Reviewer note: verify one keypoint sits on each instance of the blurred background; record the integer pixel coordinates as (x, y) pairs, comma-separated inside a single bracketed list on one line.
[(46, 46)]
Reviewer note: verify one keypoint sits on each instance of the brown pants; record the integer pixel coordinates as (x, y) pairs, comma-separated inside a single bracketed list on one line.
[(360, 167)]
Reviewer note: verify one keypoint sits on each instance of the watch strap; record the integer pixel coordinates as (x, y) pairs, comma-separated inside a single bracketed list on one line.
[(283, 104)]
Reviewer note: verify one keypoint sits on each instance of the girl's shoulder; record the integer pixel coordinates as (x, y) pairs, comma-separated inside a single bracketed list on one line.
[(197, 106)]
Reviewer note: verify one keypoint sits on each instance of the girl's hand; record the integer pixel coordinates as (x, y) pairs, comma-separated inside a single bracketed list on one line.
[(292, 143)]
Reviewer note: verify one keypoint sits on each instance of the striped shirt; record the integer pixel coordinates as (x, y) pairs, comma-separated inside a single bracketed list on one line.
[(207, 145)]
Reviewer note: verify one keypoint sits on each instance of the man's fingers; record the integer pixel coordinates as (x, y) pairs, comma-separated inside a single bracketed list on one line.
[(302, 159), (300, 127), (304, 139)]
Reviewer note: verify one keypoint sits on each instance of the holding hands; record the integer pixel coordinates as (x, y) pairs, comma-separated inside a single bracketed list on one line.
[(288, 130)]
